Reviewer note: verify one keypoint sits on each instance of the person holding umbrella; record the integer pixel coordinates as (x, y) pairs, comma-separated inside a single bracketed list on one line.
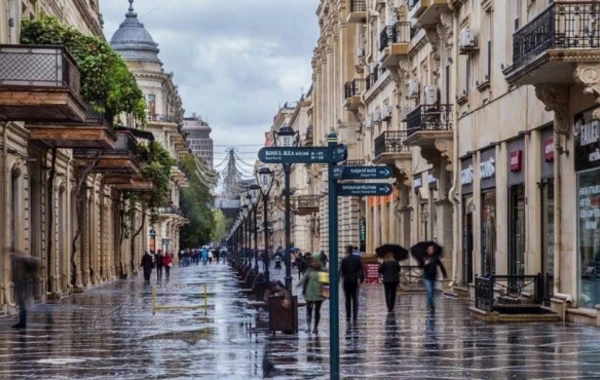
[(429, 254), (390, 270)]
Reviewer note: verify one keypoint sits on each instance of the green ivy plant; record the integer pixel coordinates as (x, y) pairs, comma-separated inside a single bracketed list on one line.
[(157, 166), (104, 73)]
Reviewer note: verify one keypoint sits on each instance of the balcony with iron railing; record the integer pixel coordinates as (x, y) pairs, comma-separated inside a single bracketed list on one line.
[(545, 48), (429, 118), (389, 146), (352, 92), (39, 83), (307, 204), (394, 42), (427, 12), (120, 160), (358, 11)]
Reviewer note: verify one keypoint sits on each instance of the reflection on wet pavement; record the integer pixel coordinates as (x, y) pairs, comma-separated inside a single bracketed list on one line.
[(110, 333)]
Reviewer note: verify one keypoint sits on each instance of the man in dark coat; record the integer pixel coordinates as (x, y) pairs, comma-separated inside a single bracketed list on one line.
[(147, 266), (23, 268), (159, 265), (351, 270)]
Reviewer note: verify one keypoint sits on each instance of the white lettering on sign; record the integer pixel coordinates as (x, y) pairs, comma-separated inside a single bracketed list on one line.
[(273, 153), (297, 153), (363, 170), (418, 182), (595, 156), (466, 176), (487, 169), (589, 131)]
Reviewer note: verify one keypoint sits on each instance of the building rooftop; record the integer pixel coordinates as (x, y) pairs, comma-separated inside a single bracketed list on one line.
[(133, 41)]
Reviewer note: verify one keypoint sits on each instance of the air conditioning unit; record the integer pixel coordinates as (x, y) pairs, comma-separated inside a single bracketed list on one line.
[(377, 116), (369, 121), (386, 113), (413, 88), (466, 40), (431, 95)]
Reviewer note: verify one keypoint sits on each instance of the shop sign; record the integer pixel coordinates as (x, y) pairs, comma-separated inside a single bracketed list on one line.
[(466, 176), (487, 169), (516, 160), (372, 273), (588, 131), (418, 182), (362, 230), (587, 142), (549, 149)]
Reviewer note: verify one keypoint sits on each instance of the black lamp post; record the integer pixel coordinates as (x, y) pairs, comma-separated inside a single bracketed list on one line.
[(253, 198), (264, 178), (287, 138)]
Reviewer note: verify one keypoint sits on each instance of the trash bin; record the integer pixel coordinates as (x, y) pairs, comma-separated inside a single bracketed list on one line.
[(281, 319)]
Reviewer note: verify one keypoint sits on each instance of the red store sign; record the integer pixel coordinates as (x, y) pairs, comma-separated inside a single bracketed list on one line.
[(549, 149), (516, 160)]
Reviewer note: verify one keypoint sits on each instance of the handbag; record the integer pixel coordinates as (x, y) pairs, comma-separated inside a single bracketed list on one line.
[(324, 281)]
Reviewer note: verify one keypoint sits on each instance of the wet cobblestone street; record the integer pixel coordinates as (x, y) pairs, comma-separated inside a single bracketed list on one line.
[(110, 333)]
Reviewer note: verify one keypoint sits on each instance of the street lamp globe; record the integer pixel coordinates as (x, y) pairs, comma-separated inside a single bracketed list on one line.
[(254, 192), (264, 179), (286, 137)]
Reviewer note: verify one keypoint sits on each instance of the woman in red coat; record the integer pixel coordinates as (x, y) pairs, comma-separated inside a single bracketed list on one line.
[(168, 263)]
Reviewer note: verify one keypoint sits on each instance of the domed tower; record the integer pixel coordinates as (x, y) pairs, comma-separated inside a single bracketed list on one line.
[(133, 41)]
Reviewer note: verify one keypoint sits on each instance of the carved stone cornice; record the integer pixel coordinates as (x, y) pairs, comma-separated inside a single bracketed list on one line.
[(588, 75), (403, 171), (556, 98)]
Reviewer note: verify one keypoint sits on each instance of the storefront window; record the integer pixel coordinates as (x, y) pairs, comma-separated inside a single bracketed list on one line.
[(589, 238), (548, 238), (516, 264), (467, 267), (488, 232)]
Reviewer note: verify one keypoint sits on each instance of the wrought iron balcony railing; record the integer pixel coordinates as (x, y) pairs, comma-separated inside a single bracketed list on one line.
[(494, 290), (353, 88), (373, 78), (163, 118), (429, 118), (38, 66), (307, 201), (563, 25), (126, 145), (398, 33), (391, 142), (358, 5)]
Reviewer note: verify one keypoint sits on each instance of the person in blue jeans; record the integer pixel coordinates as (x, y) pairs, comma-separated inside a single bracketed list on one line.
[(430, 264)]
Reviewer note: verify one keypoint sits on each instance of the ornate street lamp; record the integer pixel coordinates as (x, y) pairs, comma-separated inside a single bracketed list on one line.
[(287, 138), (252, 196), (244, 224), (264, 179)]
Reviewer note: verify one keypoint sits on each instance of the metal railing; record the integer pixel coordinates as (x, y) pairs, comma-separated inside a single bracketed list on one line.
[(38, 66), (125, 145), (92, 115), (391, 142), (307, 201), (373, 78), (494, 290), (358, 6), (429, 118), (170, 210), (397, 33), (353, 88), (411, 276), (563, 25), (163, 118)]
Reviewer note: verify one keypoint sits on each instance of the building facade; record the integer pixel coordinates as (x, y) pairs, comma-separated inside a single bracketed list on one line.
[(487, 112), (198, 137), (165, 119), (55, 206)]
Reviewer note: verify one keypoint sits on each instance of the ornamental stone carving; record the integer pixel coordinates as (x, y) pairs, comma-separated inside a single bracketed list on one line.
[(556, 98), (589, 76), (446, 149)]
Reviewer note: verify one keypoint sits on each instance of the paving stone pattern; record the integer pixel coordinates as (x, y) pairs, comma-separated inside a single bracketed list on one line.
[(110, 333)]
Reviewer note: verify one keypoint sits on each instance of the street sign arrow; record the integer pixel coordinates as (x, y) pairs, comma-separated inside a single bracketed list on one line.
[(296, 155), (363, 189), (340, 153), (365, 172)]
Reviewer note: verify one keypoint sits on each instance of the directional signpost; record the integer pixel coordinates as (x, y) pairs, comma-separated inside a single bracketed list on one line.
[(362, 172), (363, 189), (332, 155)]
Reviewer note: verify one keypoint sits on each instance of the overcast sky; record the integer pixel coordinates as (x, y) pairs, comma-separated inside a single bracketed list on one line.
[(234, 61)]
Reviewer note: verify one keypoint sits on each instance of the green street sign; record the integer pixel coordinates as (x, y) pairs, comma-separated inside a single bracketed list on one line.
[(340, 153), (363, 189), (363, 172), (296, 155)]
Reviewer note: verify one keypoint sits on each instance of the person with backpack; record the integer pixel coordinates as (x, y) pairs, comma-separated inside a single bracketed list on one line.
[(315, 284)]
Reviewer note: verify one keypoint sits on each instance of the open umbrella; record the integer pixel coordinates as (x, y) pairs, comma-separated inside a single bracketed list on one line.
[(419, 250), (400, 253)]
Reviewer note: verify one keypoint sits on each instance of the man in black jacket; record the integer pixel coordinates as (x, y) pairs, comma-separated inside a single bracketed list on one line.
[(430, 266), (351, 271)]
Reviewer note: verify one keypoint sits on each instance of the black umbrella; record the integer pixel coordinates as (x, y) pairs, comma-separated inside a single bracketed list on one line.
[(419, 250), (400, 253)]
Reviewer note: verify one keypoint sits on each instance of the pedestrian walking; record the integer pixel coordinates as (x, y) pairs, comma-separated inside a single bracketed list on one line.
[(23, 269), (316, 290), (147, 265), (390, 271), (351, 271), (210, 256), (204, 255), (324, 259), (430, 264), (167, 262), (301, 264), (217, 255), (159, 265)]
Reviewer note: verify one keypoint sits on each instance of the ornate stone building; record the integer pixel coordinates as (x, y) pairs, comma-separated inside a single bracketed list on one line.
[(165, 116)]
